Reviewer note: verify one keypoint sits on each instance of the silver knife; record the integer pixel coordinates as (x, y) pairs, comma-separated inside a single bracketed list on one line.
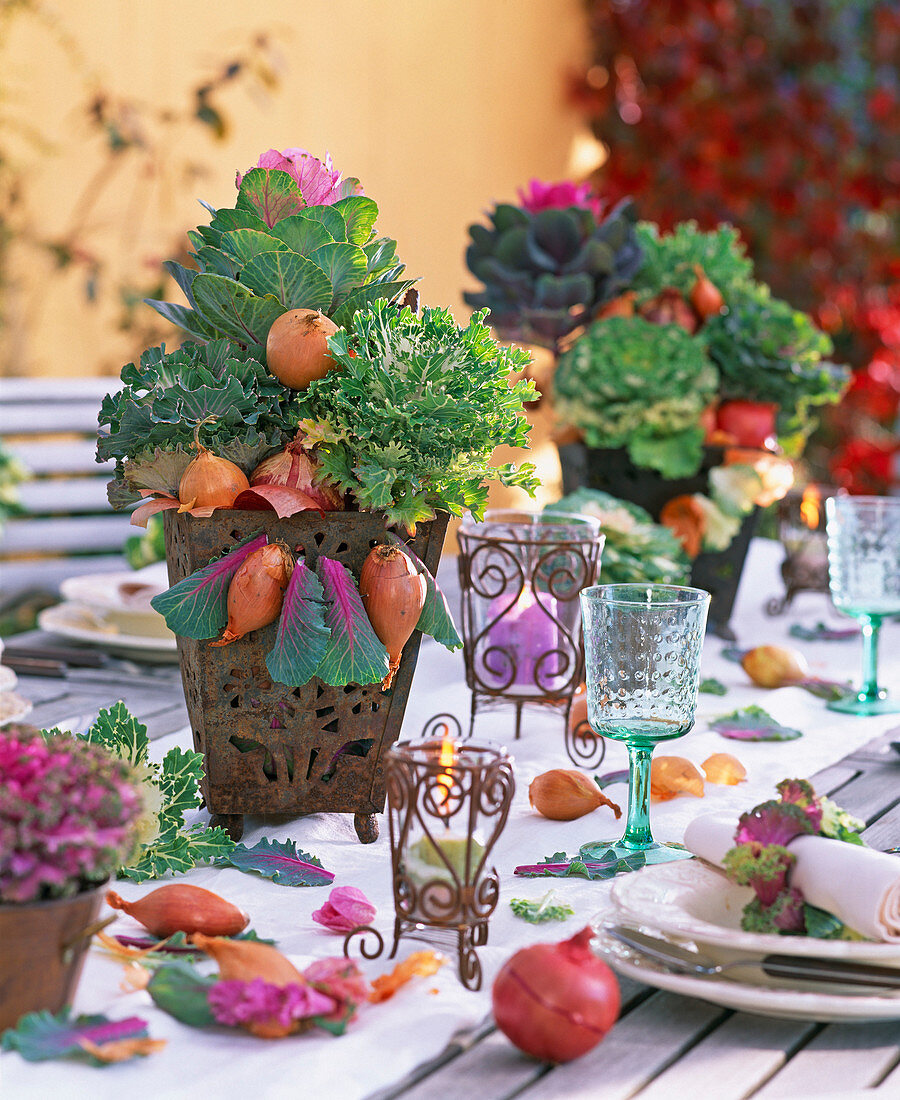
[(776, 966)]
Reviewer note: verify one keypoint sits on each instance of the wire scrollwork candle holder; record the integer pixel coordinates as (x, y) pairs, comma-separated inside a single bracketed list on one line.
[(520, 575), (447, 803)]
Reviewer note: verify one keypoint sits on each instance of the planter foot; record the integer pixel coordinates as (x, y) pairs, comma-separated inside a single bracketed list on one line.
[(366, 826), (233, 824)]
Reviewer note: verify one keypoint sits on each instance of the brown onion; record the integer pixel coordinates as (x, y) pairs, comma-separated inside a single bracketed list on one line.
[(706, 298), (623, 306), (256, 591), (393, 594), (180, 907), (296, 348), (556, 1001), (210, 481), (563, 794), (296, 468)]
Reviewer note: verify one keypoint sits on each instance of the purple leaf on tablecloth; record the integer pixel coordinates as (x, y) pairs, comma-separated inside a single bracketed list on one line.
[(197, 607), (280, 861), (821, 632), (435, 618), (302, 636), (354, 654), (607, 780), (40, 1036), (753, 724)]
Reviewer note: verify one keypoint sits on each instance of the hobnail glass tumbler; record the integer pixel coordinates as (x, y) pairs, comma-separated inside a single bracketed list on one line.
[(643, 644), (864, 576)]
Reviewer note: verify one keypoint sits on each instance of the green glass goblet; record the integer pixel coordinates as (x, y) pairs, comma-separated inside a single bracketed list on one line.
[(864, 577), (642, 666)]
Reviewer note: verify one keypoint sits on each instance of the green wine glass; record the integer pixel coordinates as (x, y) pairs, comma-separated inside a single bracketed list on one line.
[(643, 644), (864, 576)]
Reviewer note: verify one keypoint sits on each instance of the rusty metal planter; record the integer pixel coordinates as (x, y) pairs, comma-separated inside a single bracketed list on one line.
[(273, 749)]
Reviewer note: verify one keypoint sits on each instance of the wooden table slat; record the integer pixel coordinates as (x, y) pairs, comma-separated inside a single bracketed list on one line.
[(841, 1058), (733, 1060), (643, 1045)]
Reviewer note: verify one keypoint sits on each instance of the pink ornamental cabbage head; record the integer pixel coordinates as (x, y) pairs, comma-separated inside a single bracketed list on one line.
[(68, 815), (319, 182), (560, 196)]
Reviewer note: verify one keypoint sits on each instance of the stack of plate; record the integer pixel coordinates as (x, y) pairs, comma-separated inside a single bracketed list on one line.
[(692, 904), (13, 708), (112, 611)]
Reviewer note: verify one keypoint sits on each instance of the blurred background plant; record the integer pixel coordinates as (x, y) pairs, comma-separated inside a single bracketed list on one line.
[(146, 150), (783, 119)]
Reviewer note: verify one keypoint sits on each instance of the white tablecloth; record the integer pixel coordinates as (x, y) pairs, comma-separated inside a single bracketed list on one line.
[(389, 1040)]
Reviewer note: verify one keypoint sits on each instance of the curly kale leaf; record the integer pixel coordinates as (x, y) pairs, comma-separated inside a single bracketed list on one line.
[(150, 423), (669, 259), (409, 421)]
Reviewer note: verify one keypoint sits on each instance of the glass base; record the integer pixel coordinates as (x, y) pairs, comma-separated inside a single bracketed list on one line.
[(859, 704), (602, 851)]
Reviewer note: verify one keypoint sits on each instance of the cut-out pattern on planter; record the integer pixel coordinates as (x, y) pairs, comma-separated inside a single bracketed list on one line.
[(291, 758)]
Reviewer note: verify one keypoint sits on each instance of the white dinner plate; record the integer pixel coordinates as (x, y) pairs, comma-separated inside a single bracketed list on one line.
[(13, 708), (692, 901), (760, 1000), (78, 623), (122, 599)]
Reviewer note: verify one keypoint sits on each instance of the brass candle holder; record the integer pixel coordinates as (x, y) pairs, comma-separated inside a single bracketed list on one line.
[(801, 528), (520, 576), (447, 803)]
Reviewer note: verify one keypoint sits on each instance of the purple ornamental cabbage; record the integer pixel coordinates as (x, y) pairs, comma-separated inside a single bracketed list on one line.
[(319, 182), (773, 822), (763, 867), (560, 196), (799, 792), (68, 815)]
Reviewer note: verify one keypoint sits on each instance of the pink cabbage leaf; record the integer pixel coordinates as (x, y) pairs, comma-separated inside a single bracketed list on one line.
[(753, 724), (40, 1036), (302, 636), (197, 606), (354, 654)]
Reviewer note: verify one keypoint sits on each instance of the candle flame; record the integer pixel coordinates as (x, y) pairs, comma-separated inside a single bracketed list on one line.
[(809, 507), (444, 781)]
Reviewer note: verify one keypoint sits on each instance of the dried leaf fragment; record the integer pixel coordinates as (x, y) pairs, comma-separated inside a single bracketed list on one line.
[(671, 776), (121, 1050), (418, 964), (724, 768)]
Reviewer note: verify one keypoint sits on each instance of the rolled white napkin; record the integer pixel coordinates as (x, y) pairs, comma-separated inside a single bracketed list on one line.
[(860, 886)]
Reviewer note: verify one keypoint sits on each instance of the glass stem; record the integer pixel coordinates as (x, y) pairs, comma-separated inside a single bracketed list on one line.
[(870, 627), (637, 828)]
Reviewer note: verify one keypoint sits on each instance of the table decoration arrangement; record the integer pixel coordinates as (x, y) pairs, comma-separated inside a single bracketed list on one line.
[(864, 574), (306, 447), (69, 818), (687, 391), (520, 574)]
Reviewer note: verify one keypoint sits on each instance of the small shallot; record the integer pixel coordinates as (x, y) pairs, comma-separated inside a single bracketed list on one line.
[(774, 666), (256, 591), (180, 907), (706, 298), (564, 795), (295, 468), (244, 960), (393, 594)]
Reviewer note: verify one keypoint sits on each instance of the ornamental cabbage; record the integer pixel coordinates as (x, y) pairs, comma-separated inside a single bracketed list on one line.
[(630, 383)]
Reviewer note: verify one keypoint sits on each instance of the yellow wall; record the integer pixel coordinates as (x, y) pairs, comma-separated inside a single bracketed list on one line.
[(438, 106)]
